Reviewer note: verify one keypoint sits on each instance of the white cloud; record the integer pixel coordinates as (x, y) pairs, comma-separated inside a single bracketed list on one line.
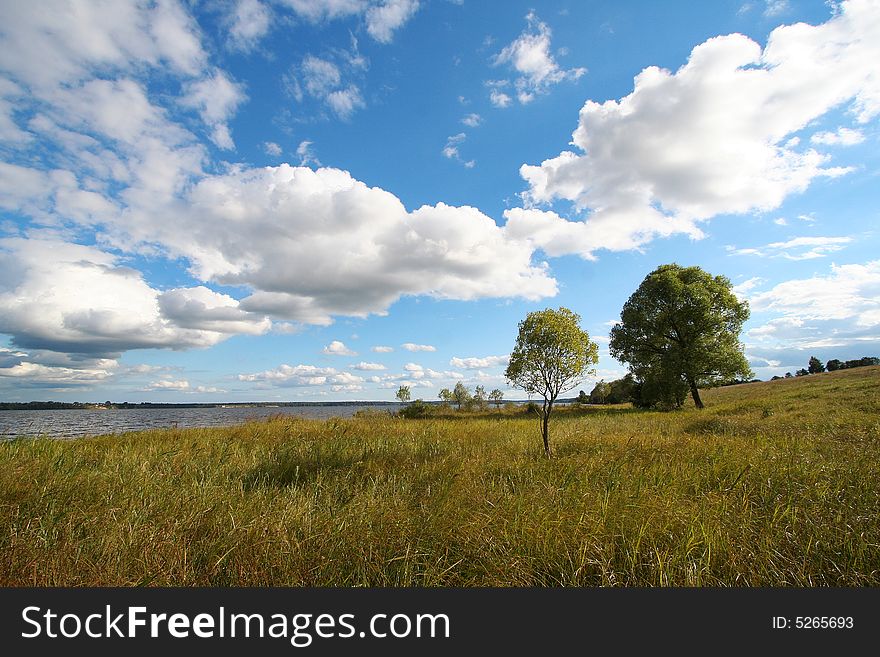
[(216, 98), (499, 98), (381, 17), (450, 150), (320, 76), (368, 367), (249, 21), (799, 248), (848, 292), (304, 376), (843, 137), (389, 15), (474, 363), (306, 154), (203, 309), (272, 148), (312, 244), (409, 346), (839, 310), (71, 298), (775, 7), (741, 290), (344, 102), (380, 349), (337, 348), (472, 120), (781, 221), (711, 138), (529, 55), (323, 80), (168, 385)]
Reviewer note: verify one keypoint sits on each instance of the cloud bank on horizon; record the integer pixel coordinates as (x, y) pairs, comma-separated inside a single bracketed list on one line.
[(130, 221)]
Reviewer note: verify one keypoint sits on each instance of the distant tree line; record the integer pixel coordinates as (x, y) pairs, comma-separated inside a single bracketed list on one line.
[(815, 366)]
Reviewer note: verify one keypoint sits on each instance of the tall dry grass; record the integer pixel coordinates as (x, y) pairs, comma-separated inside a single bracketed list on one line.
[(774, 484)]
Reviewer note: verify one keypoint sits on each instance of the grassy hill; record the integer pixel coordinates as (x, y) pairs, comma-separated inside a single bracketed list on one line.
[(774, 484)]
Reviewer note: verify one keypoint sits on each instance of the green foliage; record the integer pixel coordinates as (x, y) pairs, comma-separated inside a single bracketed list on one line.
[(600, 393), (552, 354), (461, 395), (480, 397), (446, 396), (417, 409), (496, 397), (403, 394), (681, 328), (815, 366)]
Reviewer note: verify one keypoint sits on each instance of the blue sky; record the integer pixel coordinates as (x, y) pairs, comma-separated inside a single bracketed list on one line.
[(325, 199)]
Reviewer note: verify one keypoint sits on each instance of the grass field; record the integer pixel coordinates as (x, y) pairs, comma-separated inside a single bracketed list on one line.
[(774, 484)]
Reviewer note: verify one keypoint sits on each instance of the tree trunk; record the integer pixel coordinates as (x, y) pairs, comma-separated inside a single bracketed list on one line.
[(545, 427), (695, 394)]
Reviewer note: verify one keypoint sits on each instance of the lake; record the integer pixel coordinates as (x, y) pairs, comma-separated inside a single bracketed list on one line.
[(76, 423)]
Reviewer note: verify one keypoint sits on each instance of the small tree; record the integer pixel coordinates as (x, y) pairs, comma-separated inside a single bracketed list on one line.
[(815, 366), (403, 394), (480, 397), (801, 372), (680, 330), (461, 394), (833, 365), (600, 392), (552, 354), (445, 396), (496, 396)]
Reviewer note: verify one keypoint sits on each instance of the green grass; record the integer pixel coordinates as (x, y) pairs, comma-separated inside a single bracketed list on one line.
[(774, 484)]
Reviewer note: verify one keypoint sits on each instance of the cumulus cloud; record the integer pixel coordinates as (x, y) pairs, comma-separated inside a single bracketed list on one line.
[(381, 349), (71, 298), (409, 346), (840, 310), (799, 248), (294, 376), (368, 367), (475, 363), (313, 244), (338, 348), (529, 55), (713, 137)]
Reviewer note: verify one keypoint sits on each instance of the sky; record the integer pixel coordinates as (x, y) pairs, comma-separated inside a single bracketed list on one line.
[(315, 200)]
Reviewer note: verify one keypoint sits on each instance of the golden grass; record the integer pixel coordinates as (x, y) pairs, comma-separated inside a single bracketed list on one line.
[(774, 484)]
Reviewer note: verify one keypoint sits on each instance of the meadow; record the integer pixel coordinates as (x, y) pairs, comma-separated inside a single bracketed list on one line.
[(773, 484)]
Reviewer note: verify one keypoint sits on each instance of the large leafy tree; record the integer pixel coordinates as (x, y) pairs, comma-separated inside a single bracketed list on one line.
[(679, 331), (552, 354)]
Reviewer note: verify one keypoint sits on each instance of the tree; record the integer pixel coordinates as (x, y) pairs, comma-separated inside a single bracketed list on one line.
[(461, 394), (600, 392), (680, 331), (445, 396), (403, 394), (815, 366), (833, 365), (801, 372), (496, 396), (480, 396), (552, 354)]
